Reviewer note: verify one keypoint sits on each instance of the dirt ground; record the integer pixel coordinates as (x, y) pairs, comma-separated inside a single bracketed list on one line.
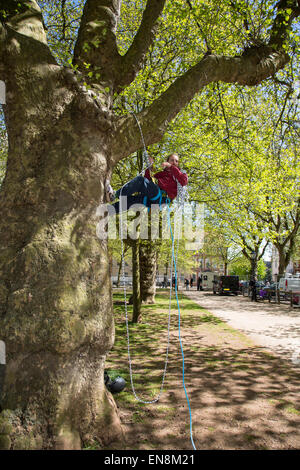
[(275, 326), (241, 395)]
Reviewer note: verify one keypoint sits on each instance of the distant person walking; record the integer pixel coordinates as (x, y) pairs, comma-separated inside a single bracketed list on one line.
[(187, 284), (199, 283), (191, 282)]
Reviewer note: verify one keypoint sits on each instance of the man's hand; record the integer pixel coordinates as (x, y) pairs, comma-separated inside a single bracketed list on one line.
[(166, 165)]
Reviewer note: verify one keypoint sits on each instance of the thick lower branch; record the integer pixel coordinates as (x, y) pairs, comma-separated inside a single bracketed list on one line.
[(134, 58), (287, 11), (24, 17), (95, 50), (23, 42)]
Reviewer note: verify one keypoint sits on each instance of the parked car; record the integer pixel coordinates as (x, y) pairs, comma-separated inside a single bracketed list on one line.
[(271, 286), (260, 284), (289, 283), (244, 287), (246, 290), (226, 285), (208, 280), (241, 283)]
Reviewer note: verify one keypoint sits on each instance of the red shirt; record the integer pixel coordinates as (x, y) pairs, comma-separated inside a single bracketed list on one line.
[(167, 180)]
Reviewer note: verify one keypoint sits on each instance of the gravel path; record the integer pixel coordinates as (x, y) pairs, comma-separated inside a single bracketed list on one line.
[(276, 327)]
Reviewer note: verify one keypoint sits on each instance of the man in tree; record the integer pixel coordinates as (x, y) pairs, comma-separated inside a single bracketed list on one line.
[(148, 192), (64, 142)]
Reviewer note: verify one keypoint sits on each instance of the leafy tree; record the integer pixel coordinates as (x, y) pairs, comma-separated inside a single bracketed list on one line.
[(246, 173), (261, 269), (65, 138), (242, 267), (114, 246)]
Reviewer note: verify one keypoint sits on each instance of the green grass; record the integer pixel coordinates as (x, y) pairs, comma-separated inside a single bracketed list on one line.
[(149, 337), (250, 437), (148, 340)]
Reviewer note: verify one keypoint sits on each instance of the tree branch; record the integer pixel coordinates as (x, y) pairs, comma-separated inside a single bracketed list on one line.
[(23, 41), (252, 67), (287, 11), (291, 236), (96, 50), (134, 58), (250, 249), (263, 251), (208, 48), (249, 69), (24, 17)]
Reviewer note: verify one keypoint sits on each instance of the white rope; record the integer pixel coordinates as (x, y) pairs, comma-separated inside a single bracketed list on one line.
[(145, 158), (181, 195), (127, 328)]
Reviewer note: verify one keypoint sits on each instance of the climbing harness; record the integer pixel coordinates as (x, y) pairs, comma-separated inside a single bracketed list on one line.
[(181, 195), (160, 195)]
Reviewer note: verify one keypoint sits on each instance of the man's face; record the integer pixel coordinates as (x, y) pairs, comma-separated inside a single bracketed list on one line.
[(173, 160)]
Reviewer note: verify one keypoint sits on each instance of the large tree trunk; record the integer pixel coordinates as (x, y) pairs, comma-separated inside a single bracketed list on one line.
[(283, 262), (253, 271), (284, 257), (148, 265), (55, 293), (225, 268)]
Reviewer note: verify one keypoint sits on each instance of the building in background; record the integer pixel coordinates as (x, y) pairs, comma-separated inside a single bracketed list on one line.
[(297, 266), (208, 263), (292, 267)]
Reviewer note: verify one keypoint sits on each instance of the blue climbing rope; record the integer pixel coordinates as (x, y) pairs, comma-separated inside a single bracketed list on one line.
[(181, 198), (179, 332), (127, 328)]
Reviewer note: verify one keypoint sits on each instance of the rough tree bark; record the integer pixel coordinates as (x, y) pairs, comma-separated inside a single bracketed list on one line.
[(55, 293), (225, 268), (148, 265), (286, 227), (286, 245)]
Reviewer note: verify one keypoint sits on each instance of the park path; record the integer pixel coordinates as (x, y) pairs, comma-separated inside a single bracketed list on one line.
[(276, 327)]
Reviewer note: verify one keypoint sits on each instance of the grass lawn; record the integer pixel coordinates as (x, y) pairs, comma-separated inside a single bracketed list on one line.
[(241, 395)]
